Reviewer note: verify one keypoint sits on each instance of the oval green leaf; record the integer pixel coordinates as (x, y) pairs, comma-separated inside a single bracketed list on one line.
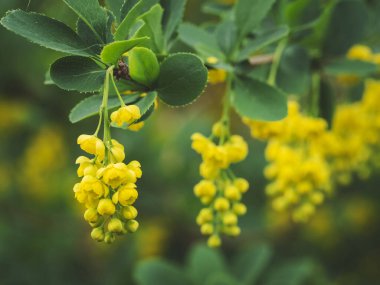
[(159, 272), (182, 79), (112, 52), (77, 73), (258, 100), (45, 31), (143, 66)]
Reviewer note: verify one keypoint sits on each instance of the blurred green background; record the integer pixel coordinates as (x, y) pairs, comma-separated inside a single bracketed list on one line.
[(44, 239)]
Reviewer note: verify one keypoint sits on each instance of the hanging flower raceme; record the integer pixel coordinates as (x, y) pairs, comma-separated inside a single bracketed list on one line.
[(298, 171), (220, 191), (107, 189)]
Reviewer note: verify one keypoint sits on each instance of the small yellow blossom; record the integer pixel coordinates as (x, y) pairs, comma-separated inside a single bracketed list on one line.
[(92, 145), (216, 76), (126, 115)]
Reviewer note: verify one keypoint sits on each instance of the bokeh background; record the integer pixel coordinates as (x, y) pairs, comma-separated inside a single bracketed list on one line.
[(43, 237)]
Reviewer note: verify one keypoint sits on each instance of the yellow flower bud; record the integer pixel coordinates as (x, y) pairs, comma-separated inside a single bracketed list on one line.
[(216, 76), (208, 170), (97, 234), (205, 188), (205, 215), (129, 212), (239, 209), (92, 145), (232, 193), (132, 226), (360, 52), (127, 196), (232, 231), (117, 151), (86, 166), (212, 60), (135, 166), (106, 207), (230, 219), (242, 184), (91, 215), (214, 241), (219, 129), (126, 115), (207, 229), (221, 204), (115, 226)]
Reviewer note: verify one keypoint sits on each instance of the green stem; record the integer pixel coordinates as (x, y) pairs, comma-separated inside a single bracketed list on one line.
[(315, 96), (117, 91), (226, 108), (106, 122), (276, 61)]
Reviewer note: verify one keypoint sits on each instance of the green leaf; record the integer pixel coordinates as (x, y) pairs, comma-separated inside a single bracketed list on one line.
[(127, 6), (112, 52), (216, 9), (173, 14), (139, 8), (200, 40), (115, 7), (294, 73), (45, 31), (258, 100), (158, 272), (93, 15), (250, 13), (302, 12), (221, 278), (152, 28), (90, 106), (341, 33), (88, 37), (77, 73), (351, 67), (227, 36), (203, 262), (263, 40), (143, 66), (298, 272), (182, 79), (249, 265)]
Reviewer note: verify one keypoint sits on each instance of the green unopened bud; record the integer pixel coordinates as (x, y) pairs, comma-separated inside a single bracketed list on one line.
[(132, 226), (129, 212), (109, 238), (97, 234)]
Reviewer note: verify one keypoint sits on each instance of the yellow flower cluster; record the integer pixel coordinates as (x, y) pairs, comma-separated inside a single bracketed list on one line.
[(127, 116), (107, 189), (307, 160), (358, 52), (352, 146), (299, 172), (220, 191)]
